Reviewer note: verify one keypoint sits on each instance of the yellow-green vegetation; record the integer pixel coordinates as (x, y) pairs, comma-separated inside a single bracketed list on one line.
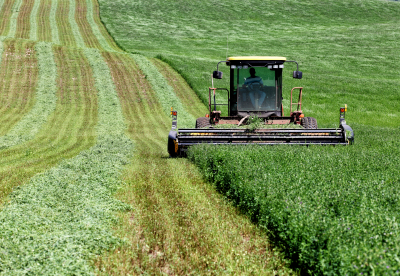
[(27, 127), (348, 52), (179, 224), (19, 75), (68, 130), (79, 116)]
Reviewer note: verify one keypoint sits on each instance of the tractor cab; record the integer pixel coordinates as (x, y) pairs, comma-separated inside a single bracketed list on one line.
[(255, 86)]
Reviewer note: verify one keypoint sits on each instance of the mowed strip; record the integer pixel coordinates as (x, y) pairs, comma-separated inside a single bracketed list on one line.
[(18, 79), (84, 26), (24, 22), (43, 21), (179, 225), (5, 15), (101, 27), (64, 27), (182, 89), (68, 131)]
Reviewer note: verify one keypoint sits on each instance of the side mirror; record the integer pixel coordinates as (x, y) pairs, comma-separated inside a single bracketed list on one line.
[(297, 74), (217, 75)]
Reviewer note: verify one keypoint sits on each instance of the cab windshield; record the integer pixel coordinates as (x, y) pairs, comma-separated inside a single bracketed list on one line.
[(258, 88)]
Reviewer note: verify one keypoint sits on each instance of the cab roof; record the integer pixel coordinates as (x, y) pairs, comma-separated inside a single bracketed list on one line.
[(256, 58)]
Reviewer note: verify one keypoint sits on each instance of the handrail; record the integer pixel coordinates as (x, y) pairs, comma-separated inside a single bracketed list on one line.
[(299, 102), (215, 104)]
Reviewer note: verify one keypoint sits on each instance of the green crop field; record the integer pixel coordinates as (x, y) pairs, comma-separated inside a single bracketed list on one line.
[(86, 183), (333, 211)]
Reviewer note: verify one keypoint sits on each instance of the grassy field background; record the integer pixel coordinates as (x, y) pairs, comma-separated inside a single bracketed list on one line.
[(82, 121), (348, 52)]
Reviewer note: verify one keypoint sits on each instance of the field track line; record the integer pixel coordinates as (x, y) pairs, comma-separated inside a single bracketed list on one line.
[(45, 103), (74, 26), (95, 28), (5, 14), (182, 90), (33, 22), (14, 18), (23, 22), (65, 32), (63, 216), (53, 23), (18, 75), (43, 21), (165, 93), (172, 228), (68, 130), (84, 26), (102, 28)]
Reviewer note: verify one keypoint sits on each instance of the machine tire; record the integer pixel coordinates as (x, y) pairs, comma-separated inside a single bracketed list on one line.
[(203, 122), (309, 123)]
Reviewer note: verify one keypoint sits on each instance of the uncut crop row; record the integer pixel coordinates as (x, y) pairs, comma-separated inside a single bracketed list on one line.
[(331, 209)]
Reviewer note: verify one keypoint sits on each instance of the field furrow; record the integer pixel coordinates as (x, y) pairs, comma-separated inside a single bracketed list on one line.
[(179, 224), (14, 18), (96, 17), (62, 218), (24, 22), (68, 131), (84, 26), (65, 32), (45, 100), (181, 88), (5, 15), (53, 22), (33, 22), (18, 79), (43, 21), (74, 25)]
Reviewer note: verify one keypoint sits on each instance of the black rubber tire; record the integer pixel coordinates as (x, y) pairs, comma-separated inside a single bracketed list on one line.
[(203, 122), (309, 123)]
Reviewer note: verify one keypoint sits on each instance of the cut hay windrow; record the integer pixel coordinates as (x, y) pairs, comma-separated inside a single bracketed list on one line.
[(69, 130), (53, 22), (165, 93), (23, 22), (74, 26), (181, 89), (45, 100), (33, 18), (5, 14), (178, 225), (43, 21), (137, 97), (84, 26), (18, 75), (14, 18), (101, 27), (63, 217), (103, 41), (65, 32)]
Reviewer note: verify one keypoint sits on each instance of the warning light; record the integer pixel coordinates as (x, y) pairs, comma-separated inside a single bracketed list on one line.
[(342, 109), (301, 116), (174, 113), (207, 115)]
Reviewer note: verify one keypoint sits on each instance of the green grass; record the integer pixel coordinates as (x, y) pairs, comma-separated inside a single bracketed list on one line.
[(45, 101), (346, 57), (20, 76), (334, 210), (179, 224)]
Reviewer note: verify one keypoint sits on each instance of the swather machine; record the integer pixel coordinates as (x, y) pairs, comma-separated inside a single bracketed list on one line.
[(256, 91)]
